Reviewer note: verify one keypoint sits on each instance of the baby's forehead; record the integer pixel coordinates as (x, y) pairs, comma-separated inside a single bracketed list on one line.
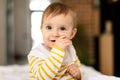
[(69, 16), (55, 14)]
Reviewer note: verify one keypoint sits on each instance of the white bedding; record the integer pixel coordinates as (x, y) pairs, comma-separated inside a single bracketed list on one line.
[(92, 74), (21, 72), (14, 72)]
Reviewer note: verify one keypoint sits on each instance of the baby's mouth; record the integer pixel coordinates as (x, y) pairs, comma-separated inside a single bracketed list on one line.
[(52, 40)]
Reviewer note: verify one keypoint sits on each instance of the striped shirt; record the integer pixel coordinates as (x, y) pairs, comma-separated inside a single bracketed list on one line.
[(51, 65)]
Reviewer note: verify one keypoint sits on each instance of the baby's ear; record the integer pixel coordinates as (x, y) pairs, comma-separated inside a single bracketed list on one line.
[(74, 31), (40, 27)]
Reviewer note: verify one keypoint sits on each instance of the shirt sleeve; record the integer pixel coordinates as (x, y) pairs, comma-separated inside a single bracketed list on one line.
[(46, 69)]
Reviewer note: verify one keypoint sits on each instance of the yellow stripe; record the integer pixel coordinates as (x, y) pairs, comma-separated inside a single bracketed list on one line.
[(37, 78), (32, 76), (56, 60), (63, 68), (46, 72), (36, 63), (32, 60), (57, 54), (61, 75), (30, 71), (33, 67), (60, 49), (40, 74), (53, 63), (50, 69), (29, 58), (34, 72), (70, 79), (32, 57), (75, 60)]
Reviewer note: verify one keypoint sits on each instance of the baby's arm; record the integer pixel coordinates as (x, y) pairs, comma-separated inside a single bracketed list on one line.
[(77, 66), (46, 69)]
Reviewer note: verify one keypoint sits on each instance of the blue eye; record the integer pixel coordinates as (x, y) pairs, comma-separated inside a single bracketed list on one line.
[(62, 28), (48, 27)]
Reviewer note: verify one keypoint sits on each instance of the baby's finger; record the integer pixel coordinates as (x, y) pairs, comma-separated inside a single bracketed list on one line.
[(62, 37)]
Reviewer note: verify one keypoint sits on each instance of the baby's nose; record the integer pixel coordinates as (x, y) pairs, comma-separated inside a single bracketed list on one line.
[(56, 33)]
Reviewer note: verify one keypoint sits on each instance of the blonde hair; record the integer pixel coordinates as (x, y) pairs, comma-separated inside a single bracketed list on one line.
[(58, 8)]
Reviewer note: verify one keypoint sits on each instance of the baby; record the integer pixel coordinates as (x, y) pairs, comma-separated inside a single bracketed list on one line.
[(56, 59)]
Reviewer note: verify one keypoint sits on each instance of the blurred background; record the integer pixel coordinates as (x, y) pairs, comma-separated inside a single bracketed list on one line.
[(97, 42)]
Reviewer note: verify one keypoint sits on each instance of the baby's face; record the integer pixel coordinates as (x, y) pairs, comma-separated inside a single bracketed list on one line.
[(55, 27)]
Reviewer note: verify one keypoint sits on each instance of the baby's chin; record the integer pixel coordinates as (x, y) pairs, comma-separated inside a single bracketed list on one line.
[(51, 46), (48, 48)]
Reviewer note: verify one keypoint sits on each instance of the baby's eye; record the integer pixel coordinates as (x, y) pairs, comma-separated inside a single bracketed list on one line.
[(62, 28), (48, 27)]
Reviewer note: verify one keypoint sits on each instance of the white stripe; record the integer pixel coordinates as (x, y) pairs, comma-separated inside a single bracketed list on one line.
[(58, 51), (55, 62), (57, 57)]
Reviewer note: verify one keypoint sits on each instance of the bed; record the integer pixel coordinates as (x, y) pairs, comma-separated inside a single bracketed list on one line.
[(20, 72)]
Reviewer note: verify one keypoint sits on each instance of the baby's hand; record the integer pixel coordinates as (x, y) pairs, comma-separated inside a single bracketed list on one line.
[(63, 42), (74, 71)]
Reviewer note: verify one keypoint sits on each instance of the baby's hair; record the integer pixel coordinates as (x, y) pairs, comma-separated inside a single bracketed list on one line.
[(58, 8)]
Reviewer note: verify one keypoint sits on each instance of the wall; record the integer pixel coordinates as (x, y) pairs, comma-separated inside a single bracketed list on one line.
[(15, 37), (2, 32), (22, 27)]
